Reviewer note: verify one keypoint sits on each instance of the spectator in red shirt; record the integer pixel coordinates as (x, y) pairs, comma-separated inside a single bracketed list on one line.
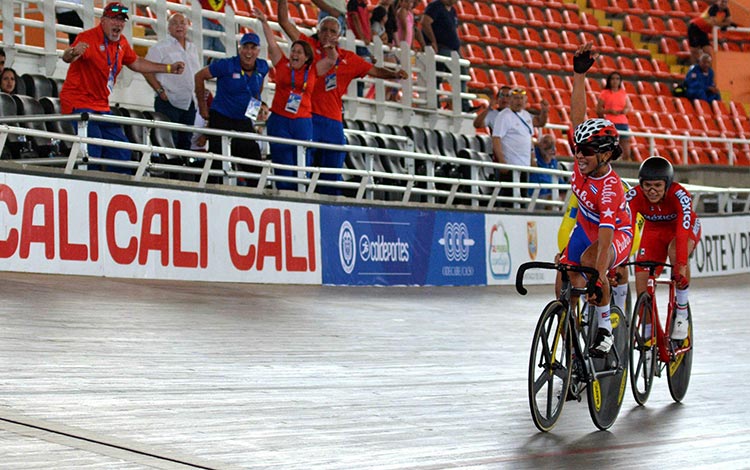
[(96, 59), (700, 27), (291, 110), (327, 100)]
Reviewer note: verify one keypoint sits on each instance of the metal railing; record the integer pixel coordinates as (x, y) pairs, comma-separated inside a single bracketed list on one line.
[(477, 189)]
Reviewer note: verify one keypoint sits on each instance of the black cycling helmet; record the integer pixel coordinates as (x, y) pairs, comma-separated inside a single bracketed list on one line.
[(656, 168), (599, 134)]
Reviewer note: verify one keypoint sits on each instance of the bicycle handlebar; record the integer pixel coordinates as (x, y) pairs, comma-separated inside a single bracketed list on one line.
[(563, 268)]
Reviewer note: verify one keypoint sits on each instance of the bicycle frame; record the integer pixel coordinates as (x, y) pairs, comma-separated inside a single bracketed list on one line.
[(667, 350)]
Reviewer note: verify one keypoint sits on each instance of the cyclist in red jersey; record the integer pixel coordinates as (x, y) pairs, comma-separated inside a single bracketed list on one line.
[(603, 234), (671, 229)]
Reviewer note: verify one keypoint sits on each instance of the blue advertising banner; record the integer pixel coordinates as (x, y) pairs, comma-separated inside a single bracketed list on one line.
[(376, 246)]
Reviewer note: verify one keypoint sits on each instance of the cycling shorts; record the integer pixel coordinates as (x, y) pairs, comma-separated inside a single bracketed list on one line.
[(621, 243)]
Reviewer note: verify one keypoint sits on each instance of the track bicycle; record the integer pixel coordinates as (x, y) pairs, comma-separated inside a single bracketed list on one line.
[(561, 367), (651, 349)]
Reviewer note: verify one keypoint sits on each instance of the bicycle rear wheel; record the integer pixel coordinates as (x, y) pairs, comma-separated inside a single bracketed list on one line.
[(678, 375), (643, 352), (605, 393), (549, 366)]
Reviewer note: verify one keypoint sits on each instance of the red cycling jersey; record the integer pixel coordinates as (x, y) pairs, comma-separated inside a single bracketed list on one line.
[(601, 203), (672, 217)]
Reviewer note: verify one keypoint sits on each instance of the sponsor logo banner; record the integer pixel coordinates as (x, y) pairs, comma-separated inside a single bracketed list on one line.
[(64, 226), (376, 246)]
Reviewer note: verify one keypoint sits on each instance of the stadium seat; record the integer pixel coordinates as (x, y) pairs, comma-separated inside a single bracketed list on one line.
[(554, 19), (51, 105), (512, 37), (626, 66), (518, 79), (469, 32), (553, 61), (533, 59), (491, 34), (485, 13), (537, 80), (474, 53), (555, 37), (37, 85), (495, 56), (465, 11), (504, 13), (605, 43), (517, 15), (479, 78), (530, 37), (499, 78), (513, 57), (626, 43), (535, 17), (29, 106), (607, 65)]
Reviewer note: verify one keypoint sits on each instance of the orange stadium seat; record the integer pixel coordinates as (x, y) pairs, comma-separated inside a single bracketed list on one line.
[(626, 66), (513, 58), (552, 36), (556, 82), (517, 15), (505, 14), (495, 56), (473, 53), (499, 77), (469, 32), (518, 79), (626, 42), (571, 40), (702, 108), (669, 8), (533, 59), (552, 61), (607, 65), (485, 13), (530, 37), (538, 80), (465, 11), (554, 19), (672, 47), (678, 26), (535, 17), (510, 34), (479, 78), (606, 43)]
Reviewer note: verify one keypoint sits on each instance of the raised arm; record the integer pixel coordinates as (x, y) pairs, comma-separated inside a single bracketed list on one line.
[(285, 22), (274, 51), (582, 62)]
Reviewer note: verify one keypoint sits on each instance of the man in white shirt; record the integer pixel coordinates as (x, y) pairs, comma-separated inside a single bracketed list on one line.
[(512, 134), (175, 93)]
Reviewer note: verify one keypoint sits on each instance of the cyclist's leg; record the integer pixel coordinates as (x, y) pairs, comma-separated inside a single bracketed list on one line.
[(680, 324), (620, 287)]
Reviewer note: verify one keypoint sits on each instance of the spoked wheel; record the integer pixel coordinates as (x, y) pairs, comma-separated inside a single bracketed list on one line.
[(643, 351), (605, 394), (549, 366), (680, 367)]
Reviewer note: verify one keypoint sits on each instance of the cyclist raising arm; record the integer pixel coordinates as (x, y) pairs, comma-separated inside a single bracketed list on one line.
[(672, 229), (603, 235)]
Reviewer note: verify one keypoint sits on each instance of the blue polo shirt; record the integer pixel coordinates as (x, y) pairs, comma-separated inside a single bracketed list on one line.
[(234, 87)]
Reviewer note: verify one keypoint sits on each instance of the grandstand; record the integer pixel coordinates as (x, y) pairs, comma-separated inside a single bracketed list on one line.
[(517, 42)]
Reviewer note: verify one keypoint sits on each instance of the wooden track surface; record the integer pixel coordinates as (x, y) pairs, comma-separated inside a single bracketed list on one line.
[(123, 374)]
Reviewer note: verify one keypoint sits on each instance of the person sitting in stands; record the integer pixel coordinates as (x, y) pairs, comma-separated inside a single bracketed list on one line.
[(8, 81), (699, 81)]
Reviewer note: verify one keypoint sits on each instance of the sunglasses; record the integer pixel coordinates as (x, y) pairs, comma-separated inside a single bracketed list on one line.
[(119, 9), (587, 151), (518, 92)]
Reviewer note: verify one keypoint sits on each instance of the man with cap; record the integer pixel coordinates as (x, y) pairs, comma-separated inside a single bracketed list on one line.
[(327, 95), (96, 59), (239, 83)]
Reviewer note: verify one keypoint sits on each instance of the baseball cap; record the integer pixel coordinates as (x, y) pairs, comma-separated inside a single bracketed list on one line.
[(115, 9), (250, 38)]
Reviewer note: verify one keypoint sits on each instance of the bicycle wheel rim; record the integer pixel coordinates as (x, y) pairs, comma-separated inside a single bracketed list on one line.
[(642, 368), (549, 367), (605, 394), (680, 367)]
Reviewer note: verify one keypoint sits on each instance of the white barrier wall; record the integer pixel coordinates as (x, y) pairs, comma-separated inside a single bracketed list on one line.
[(67, 226)]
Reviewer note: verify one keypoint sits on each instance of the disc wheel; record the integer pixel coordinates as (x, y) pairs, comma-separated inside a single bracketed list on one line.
[(549, 366), (643, 351), (605, 394), (680, 366)]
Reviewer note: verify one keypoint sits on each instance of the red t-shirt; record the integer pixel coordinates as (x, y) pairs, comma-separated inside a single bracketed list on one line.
[(85, 85), (615, 100), (348, 67), (304, 83), (674, 213)]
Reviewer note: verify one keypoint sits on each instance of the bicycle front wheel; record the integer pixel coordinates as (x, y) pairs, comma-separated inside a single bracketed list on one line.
[(606, 392), (549, 366), (643, 352), (681, 365)]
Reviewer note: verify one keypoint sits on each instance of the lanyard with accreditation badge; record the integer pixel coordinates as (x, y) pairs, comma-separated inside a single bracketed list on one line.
[(112, 68), (295, 99), (253, 107)]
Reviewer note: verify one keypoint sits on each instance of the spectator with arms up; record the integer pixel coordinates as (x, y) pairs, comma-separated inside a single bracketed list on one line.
[(327, 100), (291, 110), (602, 236), (96, 59), (671, 229), (239, 83)]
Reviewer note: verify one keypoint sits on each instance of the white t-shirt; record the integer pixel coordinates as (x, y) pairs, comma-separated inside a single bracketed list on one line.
[(515, 131)]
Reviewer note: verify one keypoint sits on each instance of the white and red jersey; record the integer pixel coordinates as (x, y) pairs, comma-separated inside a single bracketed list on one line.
[(673, 214), (601, 203)]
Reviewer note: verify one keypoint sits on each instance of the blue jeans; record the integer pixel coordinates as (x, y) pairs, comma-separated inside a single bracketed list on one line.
[(109, 131), (298, 129), (328, 131), (177, 115), (212, 43)]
